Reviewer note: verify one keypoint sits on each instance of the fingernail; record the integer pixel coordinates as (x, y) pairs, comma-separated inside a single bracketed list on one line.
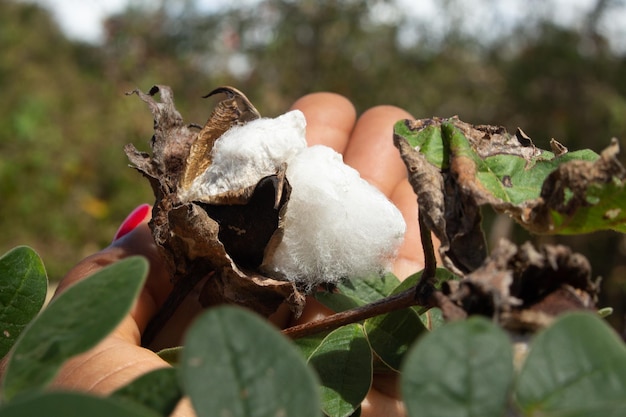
[(135, 218)]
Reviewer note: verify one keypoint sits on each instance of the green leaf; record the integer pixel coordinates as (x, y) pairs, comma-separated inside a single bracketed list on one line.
[(73, 323), (604, 312), (356, 292), (171, 355), (576, 367), (71, 404), (525, 178), (234, 363), (338, 302), (23, 287), (572, 193), (605, 200), (369, 289), (158, 390), (390, 335), (463, 369), (606, 210), (343, 362), (431, 317), (428, 140), (308, 344)]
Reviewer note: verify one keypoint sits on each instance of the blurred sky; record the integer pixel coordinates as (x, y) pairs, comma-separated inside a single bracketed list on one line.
[(81, 19)]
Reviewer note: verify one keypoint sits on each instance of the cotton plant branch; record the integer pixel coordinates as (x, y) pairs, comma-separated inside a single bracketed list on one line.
[(400, 301)]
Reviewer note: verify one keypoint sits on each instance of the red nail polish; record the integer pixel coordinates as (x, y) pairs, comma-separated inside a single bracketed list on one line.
[(135, 218)]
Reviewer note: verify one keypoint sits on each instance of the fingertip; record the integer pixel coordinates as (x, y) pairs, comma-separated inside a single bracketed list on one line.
[(371, 150), (141, 214), (330, 119)]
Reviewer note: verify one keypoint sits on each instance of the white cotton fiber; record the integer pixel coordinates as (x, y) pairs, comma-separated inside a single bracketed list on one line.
[(245, 154), (337, 225)]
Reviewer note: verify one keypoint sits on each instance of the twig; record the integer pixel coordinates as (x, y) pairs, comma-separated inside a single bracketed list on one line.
[(430, 260), (426, 285), (399, 301)]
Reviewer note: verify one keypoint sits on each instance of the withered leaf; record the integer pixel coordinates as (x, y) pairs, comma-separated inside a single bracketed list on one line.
[(453, 216), (566, 192), (254, 291), (524, 287), (170, 144)]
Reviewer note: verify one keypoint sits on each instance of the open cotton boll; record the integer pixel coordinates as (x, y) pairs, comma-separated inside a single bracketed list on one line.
[(245, 154), (336, 225)]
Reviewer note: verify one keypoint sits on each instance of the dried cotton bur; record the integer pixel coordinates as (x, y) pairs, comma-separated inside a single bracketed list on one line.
[(245, 210)]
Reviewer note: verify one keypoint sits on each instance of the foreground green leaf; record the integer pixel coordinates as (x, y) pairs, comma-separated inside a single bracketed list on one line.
[(234, 363), (171, 355), (73, 323), (158, 390), (390, 335), (71, 404), (576, 367), (462, 369), (23, 287), (343, 362)]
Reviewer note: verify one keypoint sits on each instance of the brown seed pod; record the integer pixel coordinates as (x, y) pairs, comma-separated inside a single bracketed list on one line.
[(219, 240)]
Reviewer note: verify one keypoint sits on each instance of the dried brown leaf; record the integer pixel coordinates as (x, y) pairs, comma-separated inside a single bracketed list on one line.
[(524, 287), (235, 109), (452, 215)]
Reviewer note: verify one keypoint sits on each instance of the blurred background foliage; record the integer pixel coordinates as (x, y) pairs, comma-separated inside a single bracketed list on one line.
[(65, 184)]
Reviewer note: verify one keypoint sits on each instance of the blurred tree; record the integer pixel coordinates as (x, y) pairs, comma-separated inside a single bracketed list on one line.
[(61, 174)]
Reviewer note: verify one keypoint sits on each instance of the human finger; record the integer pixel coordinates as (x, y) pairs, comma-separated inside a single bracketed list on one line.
[(379, 404), (371, 151), (330, 119), (410, 258)]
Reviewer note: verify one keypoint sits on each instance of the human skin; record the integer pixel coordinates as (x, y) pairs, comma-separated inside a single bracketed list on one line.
[(366, 145)]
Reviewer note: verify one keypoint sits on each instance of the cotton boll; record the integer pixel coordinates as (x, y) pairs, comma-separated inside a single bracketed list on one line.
[(245, 154), (336, 224)]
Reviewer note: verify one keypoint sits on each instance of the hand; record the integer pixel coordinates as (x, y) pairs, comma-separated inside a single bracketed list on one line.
[(366, 145)]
